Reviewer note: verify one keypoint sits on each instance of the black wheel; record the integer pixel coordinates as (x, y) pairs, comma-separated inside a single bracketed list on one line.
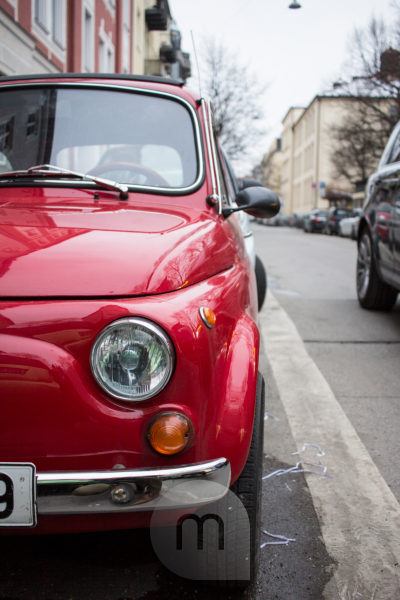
[(248, 487), (234, 564), (261, 279), (372, 292)]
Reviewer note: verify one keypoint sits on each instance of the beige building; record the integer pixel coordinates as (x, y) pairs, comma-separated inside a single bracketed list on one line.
[(269, 172), (158, 49), (308, 177), (287, 145)]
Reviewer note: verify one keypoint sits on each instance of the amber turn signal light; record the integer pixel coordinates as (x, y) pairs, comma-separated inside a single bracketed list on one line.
[(207, 316), (170, 433)]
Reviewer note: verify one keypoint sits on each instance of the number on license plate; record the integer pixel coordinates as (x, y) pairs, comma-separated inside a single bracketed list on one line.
[(17, 495)]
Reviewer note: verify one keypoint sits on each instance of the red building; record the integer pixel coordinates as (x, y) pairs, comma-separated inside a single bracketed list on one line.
[(114, 36)]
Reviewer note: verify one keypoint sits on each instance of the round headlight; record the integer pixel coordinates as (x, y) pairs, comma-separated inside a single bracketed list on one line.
[(132, 359)]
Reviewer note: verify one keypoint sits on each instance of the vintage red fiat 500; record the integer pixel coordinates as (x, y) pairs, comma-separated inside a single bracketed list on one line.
[(128, 309)]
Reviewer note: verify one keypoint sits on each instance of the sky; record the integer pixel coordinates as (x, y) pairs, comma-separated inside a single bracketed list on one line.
[(297, 54)]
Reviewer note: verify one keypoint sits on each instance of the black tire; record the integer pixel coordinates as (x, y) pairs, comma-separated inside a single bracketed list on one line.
[(372, 292), (248, 487), (261, 279), (237, 566)]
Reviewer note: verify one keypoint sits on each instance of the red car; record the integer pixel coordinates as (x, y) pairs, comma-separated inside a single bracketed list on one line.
[(129, 344)]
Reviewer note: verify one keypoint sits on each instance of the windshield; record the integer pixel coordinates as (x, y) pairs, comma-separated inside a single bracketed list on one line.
[(133, 138)]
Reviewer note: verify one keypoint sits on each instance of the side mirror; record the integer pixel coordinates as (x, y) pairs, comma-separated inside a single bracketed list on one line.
[(257, 201), (246, 183)]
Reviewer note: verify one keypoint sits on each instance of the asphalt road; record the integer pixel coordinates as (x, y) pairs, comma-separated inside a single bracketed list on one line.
[(333, 409), (336, 371), (313, 278)]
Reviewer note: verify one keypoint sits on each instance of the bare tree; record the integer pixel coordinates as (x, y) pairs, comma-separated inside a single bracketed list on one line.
[(373, 82), (377, 55), (236, 96), (358, 142)]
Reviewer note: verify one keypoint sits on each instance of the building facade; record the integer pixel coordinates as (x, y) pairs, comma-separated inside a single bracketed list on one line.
[(82, 36), (287, 144), (269, 172), (309, 177)]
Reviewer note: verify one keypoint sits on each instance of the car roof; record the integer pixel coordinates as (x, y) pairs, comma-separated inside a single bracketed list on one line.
[(151, 83), (98, 76)]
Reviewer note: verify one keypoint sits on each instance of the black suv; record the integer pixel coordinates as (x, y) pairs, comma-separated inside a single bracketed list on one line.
[(378, 261)]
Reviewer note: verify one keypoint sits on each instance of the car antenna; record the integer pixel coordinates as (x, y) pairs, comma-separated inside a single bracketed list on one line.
[(197, 62)]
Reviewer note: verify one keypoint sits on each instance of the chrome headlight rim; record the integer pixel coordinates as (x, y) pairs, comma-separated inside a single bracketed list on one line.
[(156, 331)]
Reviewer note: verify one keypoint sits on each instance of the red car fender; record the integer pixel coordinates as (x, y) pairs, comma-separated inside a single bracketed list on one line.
[(234, 420)]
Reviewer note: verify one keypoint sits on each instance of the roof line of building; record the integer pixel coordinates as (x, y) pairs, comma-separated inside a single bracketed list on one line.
[(319, 97)]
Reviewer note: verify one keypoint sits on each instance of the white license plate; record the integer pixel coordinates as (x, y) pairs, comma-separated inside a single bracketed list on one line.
[(17, 495)]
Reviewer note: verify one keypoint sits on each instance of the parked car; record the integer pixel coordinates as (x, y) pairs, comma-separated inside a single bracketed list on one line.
[(315, 220), (129, 345), (298, 220), (378, 259), (333, 219), (348, 227)]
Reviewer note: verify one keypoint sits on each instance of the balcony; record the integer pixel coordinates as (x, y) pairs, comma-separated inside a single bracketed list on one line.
[(157, 17)]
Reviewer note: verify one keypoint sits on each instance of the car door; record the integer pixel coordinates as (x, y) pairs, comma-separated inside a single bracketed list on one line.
[(382, 191), (395, 227), (385, 211)]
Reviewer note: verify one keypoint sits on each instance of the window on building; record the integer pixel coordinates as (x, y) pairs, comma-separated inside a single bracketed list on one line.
[(59, 22), (50, 21), (126, 35), (126, 12), (110, 60), (102, 55), (42, 14), (88, 40), (106, 57), (106, 53)]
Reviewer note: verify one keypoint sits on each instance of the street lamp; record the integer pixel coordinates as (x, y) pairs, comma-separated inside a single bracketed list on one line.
[(294, 4)]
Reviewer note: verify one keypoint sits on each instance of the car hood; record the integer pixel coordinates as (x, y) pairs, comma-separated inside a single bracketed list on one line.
[(75, 247)]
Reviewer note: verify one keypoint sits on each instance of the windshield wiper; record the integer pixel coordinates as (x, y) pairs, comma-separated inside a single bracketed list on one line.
[(54, 171)]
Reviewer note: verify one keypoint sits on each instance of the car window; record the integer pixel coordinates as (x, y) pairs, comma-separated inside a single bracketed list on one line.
[(223, 180), (133, 138), (230, 177), (4, 162), (224, 190)]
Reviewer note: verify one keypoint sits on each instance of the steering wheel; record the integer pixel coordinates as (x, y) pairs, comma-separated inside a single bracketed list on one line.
[(135, 170)]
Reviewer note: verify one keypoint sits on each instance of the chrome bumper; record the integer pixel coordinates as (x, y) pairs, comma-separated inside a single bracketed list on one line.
[(126, 490)]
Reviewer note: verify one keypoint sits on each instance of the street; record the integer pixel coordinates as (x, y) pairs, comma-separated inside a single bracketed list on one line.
[(331, 489), (336, 371)]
